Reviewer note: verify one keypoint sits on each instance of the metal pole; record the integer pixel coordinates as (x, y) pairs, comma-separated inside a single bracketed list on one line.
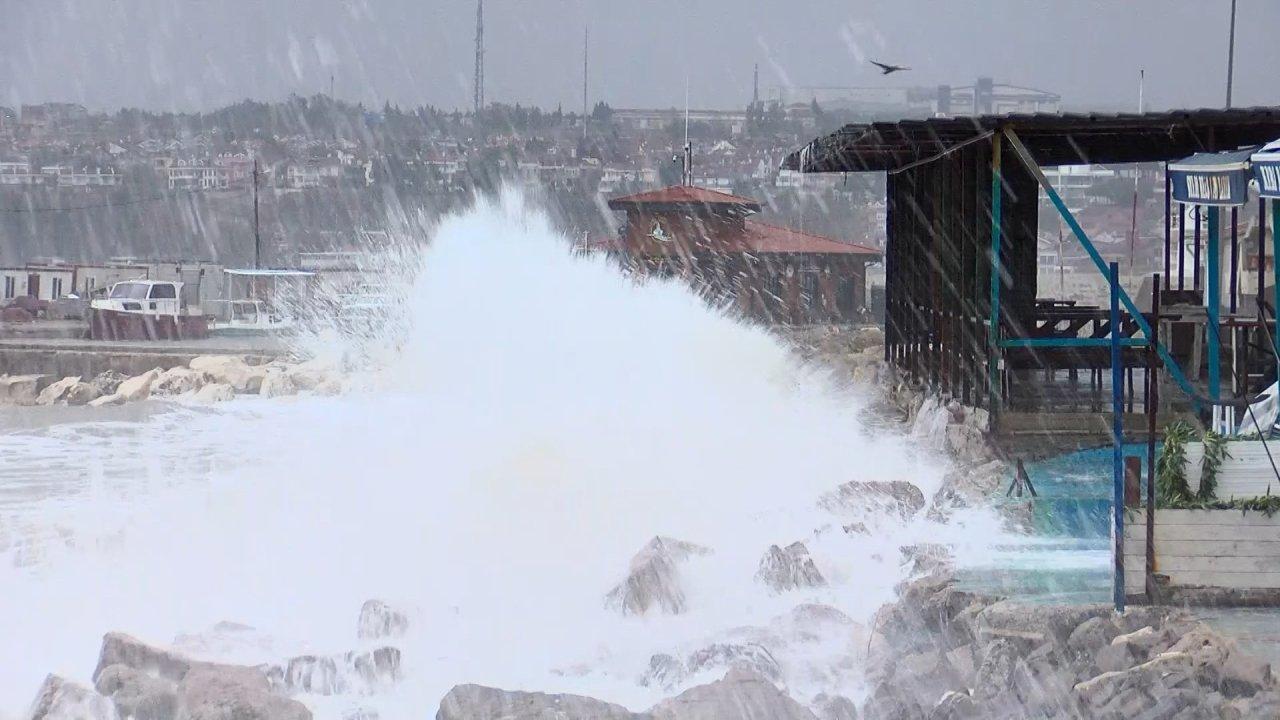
[(1235, 261), (1117, 442), (257, 237), (1275, 270), (1214, 303), (997, 191), (1195, 250), (1231, 53), (1262, 251), (1182, 246), (1153, 407), (1167, 235)]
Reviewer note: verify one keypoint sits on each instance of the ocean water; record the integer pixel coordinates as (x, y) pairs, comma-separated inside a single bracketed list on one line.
[(527, 420)]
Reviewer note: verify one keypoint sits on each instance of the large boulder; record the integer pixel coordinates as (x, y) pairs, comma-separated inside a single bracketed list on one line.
[(22, 389), (107, 381), (749, 656), (178, 380), (128, 651), (653, 581), (476, 702), (277, 384), (741, 695), (231, 370), (137, 694), (971, 486), (138, 387), (228, 692), (789, 569), (312, 374), (56, 392), (379, 620), (82, 393), (364, 672), (876, 497), (215, 392), (61, 699)]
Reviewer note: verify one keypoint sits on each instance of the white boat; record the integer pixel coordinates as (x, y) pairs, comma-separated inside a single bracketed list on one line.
[(145, 310)]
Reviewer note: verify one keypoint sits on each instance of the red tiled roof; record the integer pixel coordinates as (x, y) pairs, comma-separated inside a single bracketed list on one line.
[(762, 237), (683, 195)]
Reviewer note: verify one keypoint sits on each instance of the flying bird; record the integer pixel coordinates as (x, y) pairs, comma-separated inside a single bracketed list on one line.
[(886, 69)]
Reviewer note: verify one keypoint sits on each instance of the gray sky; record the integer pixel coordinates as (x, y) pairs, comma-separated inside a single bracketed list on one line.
[(199, 54)]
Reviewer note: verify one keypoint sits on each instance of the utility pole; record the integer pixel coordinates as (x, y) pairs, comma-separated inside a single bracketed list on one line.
[(586, 40), (1142, 82), (479, 88), (257, 237), (755, 88), (1231, 53)]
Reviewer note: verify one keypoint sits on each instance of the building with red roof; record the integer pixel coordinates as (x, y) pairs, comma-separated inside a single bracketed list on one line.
[(772, 273)]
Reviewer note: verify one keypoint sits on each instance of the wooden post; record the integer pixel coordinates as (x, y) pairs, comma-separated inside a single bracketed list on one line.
[(1117, 439), (1214, 303), (1153, 402), (1195, 250), (1167, 238), (1132, 481), (1235, 261)]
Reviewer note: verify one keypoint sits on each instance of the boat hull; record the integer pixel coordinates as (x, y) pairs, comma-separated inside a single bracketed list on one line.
[(117, 325)]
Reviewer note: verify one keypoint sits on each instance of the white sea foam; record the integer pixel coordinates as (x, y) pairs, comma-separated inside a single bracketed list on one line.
[(540, 419)]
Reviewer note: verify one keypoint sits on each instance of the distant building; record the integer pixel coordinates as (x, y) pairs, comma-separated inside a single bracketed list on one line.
[(733, 122), (771, 273), (312, 174), (984, 97)]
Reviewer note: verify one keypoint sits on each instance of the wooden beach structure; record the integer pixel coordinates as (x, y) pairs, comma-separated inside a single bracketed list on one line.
[(966, 320)]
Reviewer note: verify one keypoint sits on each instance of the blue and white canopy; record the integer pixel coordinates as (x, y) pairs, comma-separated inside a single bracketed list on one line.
[(1212, 178), (1266, 169)]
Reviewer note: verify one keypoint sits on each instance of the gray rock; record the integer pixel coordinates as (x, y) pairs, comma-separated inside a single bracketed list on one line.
[(121, 649), (56, 392), (379, 620), (1115, 657), (226, 692), (61, 699), (215, 392), (1035, 623), (358, 671), (967, 444), (972, 486), (82, 393), (231, 370), (665, 671), (954, 705), (179, 380), (996, 670), (1132, 690), (277, 384), (789, 569), (1243, 675), (834, 707), (476, 702), (1092, 634), (138, 387), (741, 695), (107, 382), (874, 498), (137, 694), (653, 581), (22, 389), (749, 656)]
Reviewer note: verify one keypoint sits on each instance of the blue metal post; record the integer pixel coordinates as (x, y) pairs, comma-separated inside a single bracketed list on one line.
[(1275, 268), (1214, 303), (1117, 437), (995, 353)]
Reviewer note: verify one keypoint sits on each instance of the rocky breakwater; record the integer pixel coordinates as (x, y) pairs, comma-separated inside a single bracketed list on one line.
[(940, 652), (134, 680), (208, 378)]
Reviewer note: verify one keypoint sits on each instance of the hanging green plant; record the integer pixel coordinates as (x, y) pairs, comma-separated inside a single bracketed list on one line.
[(1215, 451), (1171, 475)]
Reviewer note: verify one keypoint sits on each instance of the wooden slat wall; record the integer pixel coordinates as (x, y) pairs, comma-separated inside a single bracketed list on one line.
[(1205, 548), (1247, 473)]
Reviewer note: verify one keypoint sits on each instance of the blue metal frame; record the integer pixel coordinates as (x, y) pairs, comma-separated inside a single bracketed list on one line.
[(997, 215), (1070, 342), (1170, 364), (1214, 303), (1117, 438), (1275, 267)]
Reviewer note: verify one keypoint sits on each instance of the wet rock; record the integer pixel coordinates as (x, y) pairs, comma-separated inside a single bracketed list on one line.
[(104, 400), (967, 444), (312, 374), (379, 620), (789, 569), (996, 670), (178, 380), (121, 649), (741, 695), (476, 702), (226, 692), (61, 699), (874, 498), (1133, 688), (1116, 657), (82, 393), (1092, 634), (665, 671), (972, 486), (138, 387), (1243, 675), (22, 389), (107, 381), (137, 694), (746, 656), (215, 392), (277, 384), (56, 392), (954, 705), (359, 671), (231, 370), (834, 707), (653, 581), (1031, 624), (927, 557)]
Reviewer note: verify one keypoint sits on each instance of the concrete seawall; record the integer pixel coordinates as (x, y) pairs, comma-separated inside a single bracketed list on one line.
[(67, 357)]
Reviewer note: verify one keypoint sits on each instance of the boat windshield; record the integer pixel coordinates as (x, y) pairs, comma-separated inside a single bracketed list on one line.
[(129, 291)]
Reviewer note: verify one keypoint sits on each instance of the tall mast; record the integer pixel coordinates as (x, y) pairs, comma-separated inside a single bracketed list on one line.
[(586, 40), (257, 236), (479, 87), (1231, 53)]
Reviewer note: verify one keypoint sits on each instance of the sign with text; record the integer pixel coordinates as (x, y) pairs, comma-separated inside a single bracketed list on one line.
[(1211, 178), (1266, 170)]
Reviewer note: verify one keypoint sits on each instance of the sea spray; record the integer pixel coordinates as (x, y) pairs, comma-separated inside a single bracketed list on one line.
[(532, 420)]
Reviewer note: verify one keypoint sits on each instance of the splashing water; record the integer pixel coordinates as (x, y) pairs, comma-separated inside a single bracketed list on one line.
[(542, 419)]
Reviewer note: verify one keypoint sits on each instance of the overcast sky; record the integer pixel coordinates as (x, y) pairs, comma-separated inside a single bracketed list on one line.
[(198, 54)]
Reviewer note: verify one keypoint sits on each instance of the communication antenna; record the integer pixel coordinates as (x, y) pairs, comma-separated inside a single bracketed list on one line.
[(1142, 81), (586, 40), (1231, 53), (479, 86), (688, 147)]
